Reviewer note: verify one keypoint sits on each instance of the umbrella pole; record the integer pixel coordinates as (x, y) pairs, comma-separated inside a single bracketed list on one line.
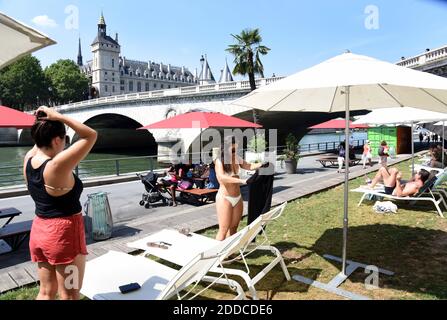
[(443, 137), (347, 268), (200, 146), (346, 198), (412, 148)]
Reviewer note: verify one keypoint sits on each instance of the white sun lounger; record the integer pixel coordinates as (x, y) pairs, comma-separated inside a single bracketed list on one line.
[(104, 275), (425, 194), (439, 186), (184, 247), (424, 159), (418, 167)]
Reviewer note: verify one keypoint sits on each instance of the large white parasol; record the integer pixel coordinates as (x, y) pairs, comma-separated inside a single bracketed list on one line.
[(350, 82), (18, 40)]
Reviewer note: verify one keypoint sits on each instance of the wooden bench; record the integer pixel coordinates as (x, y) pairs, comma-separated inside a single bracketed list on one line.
[(333, 161), (9, 213), (198, 196), (14, 234)]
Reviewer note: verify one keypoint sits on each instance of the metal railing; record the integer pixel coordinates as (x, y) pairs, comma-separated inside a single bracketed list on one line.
[(189, 90), (426, 57), (327, 146), (13, 176)]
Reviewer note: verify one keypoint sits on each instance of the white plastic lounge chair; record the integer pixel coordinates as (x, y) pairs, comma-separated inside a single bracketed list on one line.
[(424, 194), (424, 159), (439, 187), (104, 275), (418, 167), (183, 247)]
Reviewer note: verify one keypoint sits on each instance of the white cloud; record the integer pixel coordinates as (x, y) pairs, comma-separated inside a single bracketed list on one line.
[(44, 21)]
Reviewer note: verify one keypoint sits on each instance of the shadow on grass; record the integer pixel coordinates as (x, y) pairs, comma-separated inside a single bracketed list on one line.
[(273, 283), (416, 255)]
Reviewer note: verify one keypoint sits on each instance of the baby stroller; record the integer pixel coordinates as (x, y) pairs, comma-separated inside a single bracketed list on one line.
[(153, 192)]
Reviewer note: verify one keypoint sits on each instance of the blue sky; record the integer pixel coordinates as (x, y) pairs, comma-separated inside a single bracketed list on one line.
[(300, 33)]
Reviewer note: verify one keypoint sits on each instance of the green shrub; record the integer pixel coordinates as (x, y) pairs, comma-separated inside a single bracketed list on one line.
[(257, 143), (292, 151)]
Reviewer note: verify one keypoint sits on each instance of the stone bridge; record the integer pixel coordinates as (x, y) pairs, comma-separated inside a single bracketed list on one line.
[(116, 118)]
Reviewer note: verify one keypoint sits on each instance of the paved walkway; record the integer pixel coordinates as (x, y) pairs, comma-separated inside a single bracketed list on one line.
[(133, 222)]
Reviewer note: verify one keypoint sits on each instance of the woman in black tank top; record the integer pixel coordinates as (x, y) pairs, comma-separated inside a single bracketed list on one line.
[(57, 239)]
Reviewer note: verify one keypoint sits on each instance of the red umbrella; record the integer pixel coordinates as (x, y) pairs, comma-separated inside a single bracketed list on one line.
[(338, 124), (10, 118), (202, 120)]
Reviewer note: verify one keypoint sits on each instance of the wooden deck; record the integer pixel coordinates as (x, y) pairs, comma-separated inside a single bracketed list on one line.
[(16, 270)]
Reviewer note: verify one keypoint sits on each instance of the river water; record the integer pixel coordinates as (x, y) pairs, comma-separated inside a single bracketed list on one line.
[(332, 137), (13, 157)]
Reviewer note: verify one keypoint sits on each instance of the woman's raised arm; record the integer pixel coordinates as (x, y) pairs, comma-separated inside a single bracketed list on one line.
[(68, 159)]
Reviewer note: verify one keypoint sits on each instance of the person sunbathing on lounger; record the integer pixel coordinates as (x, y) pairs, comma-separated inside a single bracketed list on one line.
[(392, 180), (436, 156)]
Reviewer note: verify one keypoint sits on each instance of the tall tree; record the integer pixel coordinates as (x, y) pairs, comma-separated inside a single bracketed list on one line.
[(23, 85), (247, 53), (67, 82)]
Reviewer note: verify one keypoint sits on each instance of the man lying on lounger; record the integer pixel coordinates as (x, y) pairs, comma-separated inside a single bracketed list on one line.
[(392, 180)]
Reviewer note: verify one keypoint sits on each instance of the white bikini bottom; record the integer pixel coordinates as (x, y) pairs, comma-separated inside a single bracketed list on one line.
[(233, 200)]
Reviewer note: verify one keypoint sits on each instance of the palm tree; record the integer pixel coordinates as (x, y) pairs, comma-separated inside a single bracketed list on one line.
[(247, 54)]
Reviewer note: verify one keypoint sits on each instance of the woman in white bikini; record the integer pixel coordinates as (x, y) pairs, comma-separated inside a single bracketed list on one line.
[(229, 200)]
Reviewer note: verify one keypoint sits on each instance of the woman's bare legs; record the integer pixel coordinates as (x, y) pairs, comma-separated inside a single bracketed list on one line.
[(70, 277), (48, 281), (174, 200), (236, 218), (224, 216)]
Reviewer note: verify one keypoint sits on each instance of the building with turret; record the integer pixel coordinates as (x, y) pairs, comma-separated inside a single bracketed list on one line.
[(112, 74)]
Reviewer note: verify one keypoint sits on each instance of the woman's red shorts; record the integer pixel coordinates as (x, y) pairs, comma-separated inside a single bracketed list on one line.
[(57, 240)]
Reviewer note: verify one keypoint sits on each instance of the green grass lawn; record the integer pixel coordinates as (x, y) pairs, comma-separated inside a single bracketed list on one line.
[(412, 243)]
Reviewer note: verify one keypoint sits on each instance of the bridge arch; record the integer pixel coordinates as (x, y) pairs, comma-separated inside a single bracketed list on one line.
[(119, 132)]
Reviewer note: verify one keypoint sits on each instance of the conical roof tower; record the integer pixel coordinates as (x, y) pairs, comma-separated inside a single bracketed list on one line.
[(226, 75), (206, 75)]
